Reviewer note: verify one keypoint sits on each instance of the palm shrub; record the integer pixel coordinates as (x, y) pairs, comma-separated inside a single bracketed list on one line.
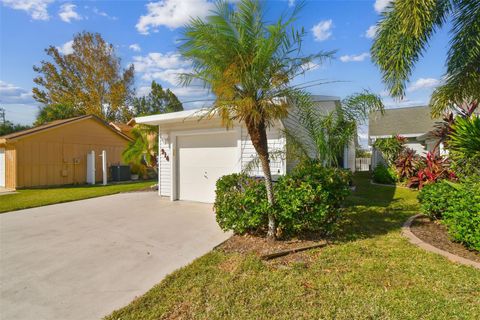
[(464, 146), (390, 148), (323, 136), (142, 150), (403, 34), (248, 64)]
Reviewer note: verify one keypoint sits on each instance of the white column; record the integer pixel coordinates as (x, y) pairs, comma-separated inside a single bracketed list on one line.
[(104, 167)]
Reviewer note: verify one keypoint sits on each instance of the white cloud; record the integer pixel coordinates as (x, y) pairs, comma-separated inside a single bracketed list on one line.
[(371, 32), (381, 5), (189, 91), (355, 58), (67, 12), (291, 3), (172, 13), (322, 30), (37, 9), (102, 13), (135, 47), (423, 83), (66, 48), (159, 66), (310, 66), (11, 94)]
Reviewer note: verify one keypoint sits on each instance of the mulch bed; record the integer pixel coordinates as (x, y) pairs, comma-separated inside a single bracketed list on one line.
[(436, 234), (288, 251)]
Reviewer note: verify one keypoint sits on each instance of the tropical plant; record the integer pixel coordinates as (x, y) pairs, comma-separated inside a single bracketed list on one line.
[(322, 135), (142, 150), (384, 174), (390, 148), (433, 168), (89, 80), (157, 101), (403, 34), (248, 64), (407, 164), (464, 146)]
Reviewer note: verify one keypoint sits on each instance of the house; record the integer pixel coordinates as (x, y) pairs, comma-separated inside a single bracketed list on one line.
[(195, 150), (413, 123), (56, 153)]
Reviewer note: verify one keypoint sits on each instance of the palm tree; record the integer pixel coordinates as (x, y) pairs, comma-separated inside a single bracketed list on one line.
[(142, 150), (405, 30), (248, 64), (324, 136)]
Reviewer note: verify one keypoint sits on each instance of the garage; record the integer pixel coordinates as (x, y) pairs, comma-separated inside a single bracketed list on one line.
[(202, 159)]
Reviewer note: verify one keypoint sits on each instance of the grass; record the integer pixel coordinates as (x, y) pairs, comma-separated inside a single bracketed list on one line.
[(370, 272), (29, 198)]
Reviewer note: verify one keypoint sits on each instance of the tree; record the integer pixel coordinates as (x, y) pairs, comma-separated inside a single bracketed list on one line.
[(53, 112), (90, 80), (405, 30), (157, 101), (143, 150), (8, 127), (324, 135), (248, 64)]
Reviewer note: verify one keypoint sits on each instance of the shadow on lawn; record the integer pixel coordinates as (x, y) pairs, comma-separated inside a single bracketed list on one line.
[(374, 210)]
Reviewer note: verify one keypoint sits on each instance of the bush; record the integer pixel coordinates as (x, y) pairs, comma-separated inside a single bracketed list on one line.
[(384, 174), (458, 205), (309, 199), (241, 203), (435, 199)]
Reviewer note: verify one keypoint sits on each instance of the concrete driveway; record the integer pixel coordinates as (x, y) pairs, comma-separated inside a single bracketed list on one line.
[(84, 259)]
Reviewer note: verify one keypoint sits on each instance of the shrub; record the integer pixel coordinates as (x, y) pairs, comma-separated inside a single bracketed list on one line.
[(458, 205), (433, 168), (407, 164), (309, 199), (384, 174), (241, 203), (390, 148), (434, 199)]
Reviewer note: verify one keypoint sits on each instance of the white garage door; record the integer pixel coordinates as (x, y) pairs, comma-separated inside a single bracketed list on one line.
[(2, 167), (202, 159)]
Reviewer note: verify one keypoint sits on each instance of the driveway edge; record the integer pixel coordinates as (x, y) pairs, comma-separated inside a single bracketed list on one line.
[(406, 232)]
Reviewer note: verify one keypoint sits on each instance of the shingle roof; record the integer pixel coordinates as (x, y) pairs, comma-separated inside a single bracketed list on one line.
[(409, 120), (57, 123)]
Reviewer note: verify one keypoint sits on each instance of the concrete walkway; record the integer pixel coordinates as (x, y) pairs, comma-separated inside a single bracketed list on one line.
[(84, 259)]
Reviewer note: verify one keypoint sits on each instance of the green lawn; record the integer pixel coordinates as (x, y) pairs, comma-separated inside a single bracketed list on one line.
[(371, 272), (29, 198)]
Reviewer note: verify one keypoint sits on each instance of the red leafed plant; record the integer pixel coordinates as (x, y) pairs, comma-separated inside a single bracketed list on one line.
[(434, 167), (407, 164)]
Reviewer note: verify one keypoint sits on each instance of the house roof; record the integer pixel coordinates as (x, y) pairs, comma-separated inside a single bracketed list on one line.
[(409, 121), (56, 124), (195, 114)]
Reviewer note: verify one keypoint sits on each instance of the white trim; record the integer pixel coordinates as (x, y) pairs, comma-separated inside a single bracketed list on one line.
[(407, 135), (158, 162), (174, 151), (172, 117)]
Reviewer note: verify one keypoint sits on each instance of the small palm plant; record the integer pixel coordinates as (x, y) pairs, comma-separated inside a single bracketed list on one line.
[(323, 136), (142, 150), (248, 64)]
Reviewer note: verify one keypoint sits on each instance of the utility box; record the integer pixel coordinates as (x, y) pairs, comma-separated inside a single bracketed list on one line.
[(120, 173)]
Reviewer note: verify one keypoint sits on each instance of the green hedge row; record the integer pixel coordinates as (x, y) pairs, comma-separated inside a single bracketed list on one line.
[(457, 206), (308, 199)]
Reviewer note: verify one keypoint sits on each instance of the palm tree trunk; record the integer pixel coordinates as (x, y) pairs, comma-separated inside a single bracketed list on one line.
[(258, 135)]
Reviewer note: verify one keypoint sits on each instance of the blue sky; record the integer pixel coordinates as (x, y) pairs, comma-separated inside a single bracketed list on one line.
[(147, 33)]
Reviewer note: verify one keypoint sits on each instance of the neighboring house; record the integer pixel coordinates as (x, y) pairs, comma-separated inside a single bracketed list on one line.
[(195, 151), (124, 128), (56, 153), (413, 123)]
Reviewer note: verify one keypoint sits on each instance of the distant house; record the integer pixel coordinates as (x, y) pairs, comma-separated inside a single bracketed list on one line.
[(195, 151), (56, 153), (413, 123)]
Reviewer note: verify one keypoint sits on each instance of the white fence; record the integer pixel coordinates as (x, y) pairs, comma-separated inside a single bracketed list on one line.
[(363, 164)]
